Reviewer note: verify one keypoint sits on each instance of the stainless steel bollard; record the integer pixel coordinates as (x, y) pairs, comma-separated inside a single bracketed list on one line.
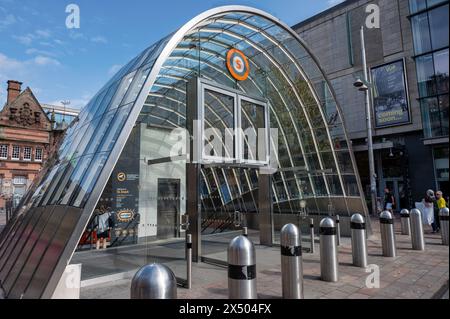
[(245, 231), (387, 234), (328, 251), (241, 269), (359, 243), (189, 261), (291, 262), (311, 227), (405, 222), (154, 281), (443, 218), (338, 231), (417, 239)]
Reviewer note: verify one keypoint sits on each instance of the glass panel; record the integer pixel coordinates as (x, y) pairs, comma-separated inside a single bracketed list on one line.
[(319, 185), (100, 131), (441, 70), (431, 117), (434, 2), (443, 106), (351, 186), (417, 5), (253, 126), (421, 33), (441, 164), (120, 93), (71, 187), (219, 125), (439, 27), (89, 180), (115, 128), (425, 75), (335, 185), (136, 87)]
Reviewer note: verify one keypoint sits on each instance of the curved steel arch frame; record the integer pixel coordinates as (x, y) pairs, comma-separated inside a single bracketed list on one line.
[(22, 223)]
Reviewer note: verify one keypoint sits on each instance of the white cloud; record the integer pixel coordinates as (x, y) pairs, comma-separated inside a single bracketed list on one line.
[(30, 37), (76, 35), (43, 33), (46, 44), (114, 69), (32, 51), (99, 39), (43, 60), (24, 70), (10, 65), (332, 3), (24, 39), (7, 20)]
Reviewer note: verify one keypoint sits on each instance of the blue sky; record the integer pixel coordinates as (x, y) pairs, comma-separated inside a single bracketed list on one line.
[(59, 64)]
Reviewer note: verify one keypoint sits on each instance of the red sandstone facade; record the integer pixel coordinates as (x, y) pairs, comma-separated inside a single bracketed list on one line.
[(26, 140)]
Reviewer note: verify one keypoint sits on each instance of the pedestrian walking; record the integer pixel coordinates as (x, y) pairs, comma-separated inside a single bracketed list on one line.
[(438, 205), (428, 208), (389, 200)]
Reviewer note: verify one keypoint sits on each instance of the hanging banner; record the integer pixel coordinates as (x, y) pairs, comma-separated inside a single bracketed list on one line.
[(390, 97)]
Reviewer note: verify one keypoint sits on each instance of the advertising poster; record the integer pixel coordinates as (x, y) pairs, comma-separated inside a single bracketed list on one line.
[(390, 99)]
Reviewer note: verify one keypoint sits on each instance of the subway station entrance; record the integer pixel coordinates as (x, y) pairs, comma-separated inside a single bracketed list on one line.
[(229, 122)]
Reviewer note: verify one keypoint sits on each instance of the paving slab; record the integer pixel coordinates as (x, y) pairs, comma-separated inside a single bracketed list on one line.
[(411, 275)]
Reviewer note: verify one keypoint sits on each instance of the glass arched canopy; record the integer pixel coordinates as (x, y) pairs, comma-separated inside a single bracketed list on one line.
[(314, 159)]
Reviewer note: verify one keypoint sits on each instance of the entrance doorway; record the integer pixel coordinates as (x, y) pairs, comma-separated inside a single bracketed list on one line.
[(398, 189), (223, 188), (229, 203), (168, 209)]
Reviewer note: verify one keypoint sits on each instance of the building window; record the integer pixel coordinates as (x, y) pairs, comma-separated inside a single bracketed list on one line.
[(15, 152), (20, 180), (439, 27), (3, 151), (420, 5), (440, 155), (430, 30), (421, 32), (38, 155), (27, 153), (430, 33)]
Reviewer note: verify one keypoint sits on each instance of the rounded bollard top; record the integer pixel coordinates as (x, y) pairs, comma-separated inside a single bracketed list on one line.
[(443, 212), (241, 251), (155, 281), (357, 218), (290, 235), (386, 215), (404, 212), (327, 223), (415, 212)]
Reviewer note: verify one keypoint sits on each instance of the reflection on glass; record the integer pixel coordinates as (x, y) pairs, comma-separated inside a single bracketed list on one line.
[(219, 125), (253, 127)]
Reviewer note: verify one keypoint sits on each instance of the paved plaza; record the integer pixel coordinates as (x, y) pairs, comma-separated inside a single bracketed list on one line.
[(411, 275)]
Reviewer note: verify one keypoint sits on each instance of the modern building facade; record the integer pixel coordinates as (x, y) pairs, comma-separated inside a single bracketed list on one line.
[(26, 140), (408, 64), (269, 146)]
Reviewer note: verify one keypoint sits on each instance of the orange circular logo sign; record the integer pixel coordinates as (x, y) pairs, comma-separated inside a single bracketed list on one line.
[(237, 64)]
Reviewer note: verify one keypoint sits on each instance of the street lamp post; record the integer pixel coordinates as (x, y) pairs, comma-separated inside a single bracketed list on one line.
[(364, 86), (64, 103)]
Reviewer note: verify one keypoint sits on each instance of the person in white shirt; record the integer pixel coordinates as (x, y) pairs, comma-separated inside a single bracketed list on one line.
[(102, 222)]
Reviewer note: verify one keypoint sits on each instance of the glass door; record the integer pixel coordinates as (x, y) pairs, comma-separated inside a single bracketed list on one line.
[(229, 203)]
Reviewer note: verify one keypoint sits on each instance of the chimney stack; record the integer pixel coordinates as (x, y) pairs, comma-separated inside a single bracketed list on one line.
[(14, 89)]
